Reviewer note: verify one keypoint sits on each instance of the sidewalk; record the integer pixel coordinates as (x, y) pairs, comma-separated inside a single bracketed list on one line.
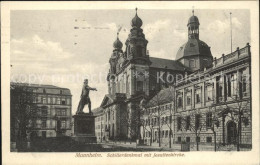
[(140, 147), (174, 147)]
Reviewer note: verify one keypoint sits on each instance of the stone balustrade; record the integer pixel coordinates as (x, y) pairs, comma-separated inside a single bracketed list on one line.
[(239, 53)]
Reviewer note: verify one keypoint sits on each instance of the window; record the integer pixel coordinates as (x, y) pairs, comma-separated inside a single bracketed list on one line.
[(139, 86), (198, 139), (167, 119), (63, 102), (53, 100), (232, 85), (244, 82), (187, 122), (209, 120), (39, 112), (162, 121), (209, 93), (192, 63), (178, 123), (198, 96), (188, 100), (34, 99), (68, 101), (162, 134), (39, 99), (43, 123), (44, 112), (209, 139), (179, 139), (63, 112), (44, 100), (220, 89), (49, 100), (166, 134), (187, 139), (63, 124), (179, 102), (58, 100), (197, 121)]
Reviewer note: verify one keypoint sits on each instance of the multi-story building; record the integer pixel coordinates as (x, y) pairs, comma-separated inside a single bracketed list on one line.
[(199, 92), (132, 76), (99, 123), (211, 103), (45, 110)]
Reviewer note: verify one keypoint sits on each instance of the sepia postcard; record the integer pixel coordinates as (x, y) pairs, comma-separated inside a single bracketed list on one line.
[(158, 82)]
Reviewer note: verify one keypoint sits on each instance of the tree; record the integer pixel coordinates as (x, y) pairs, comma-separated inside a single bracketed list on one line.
[(161, 98), (23, 112)]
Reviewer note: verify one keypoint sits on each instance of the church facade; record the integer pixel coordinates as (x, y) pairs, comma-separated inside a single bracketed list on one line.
[(143, 104)]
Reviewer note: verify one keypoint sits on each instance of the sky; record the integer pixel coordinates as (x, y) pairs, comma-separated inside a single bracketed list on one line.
[(63, 47)]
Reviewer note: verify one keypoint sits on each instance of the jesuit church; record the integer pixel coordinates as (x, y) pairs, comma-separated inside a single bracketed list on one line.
[(134, 76)]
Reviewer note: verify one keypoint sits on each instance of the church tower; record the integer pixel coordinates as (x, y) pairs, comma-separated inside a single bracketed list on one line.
[(136, 44), (113, 61), (194, 54), (138, 59)]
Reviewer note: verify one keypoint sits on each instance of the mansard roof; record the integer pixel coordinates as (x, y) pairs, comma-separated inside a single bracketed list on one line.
[(166, 64)]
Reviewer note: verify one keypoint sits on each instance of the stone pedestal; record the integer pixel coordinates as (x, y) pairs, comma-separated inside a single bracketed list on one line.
[(84, 128)]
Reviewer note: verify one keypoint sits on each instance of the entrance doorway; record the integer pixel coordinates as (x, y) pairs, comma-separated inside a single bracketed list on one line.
[(231, 133)]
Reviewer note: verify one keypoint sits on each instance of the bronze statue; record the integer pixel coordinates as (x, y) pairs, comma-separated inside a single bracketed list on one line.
[(84, 98)]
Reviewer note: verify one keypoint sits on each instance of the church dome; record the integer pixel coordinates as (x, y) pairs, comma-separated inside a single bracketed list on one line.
[(193, 47), (136, 21), (118, 44), (193, 20)]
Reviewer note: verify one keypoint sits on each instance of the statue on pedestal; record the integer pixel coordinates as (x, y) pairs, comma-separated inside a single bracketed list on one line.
[(84, 98)]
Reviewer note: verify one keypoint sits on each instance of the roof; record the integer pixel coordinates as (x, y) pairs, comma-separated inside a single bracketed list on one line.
[(42, 88), (193, 47), (165, 95), (97, 110), (136, 21), (166, 63), (118, 44), (193, 19)]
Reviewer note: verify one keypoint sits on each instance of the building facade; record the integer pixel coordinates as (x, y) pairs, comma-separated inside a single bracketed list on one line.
[(99, 124), (205, 90), (40, 110), (211, 104)]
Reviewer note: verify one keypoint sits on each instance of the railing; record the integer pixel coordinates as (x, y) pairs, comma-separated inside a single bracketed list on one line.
[(232, 56)]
